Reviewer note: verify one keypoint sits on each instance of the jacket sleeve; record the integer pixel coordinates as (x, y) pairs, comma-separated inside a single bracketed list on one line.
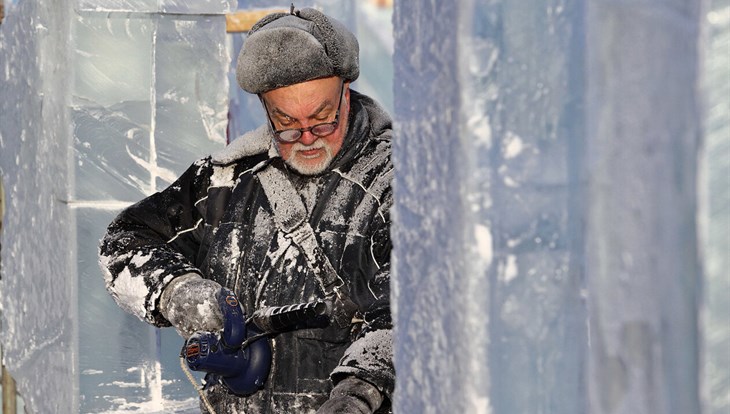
[(370, 356), (154, 241)]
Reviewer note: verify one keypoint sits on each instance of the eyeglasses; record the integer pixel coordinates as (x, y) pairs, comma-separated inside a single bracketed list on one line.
[(319, 130)]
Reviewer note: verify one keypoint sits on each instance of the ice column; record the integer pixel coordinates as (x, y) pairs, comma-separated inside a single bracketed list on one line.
[(103, 102), (37, 287), (440, 293), (37, 290), (149, 97), (641, 261), (715, 208), (537, 266)]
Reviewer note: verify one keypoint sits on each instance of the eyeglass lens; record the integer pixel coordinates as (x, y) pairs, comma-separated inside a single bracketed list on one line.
[(320, 130)]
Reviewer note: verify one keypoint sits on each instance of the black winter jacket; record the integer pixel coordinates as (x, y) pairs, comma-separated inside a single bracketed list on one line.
[(215, 220)]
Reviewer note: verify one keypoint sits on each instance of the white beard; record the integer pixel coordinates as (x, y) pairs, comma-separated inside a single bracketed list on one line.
[(306, 166)]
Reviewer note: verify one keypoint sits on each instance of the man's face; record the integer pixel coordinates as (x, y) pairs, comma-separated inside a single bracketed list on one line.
[(304, 105)]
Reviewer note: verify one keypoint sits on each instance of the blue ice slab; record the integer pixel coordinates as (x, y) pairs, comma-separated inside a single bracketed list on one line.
[(140, 6), (111, 151), (197, 6), (715, 208), (118, 354), (116, 350), (191, 91), (111, 109), (150, 96), (113, 56), (37, 287), (544, 194), (157, 6)]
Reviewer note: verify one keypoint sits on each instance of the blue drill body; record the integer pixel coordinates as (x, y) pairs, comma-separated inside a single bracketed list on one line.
[(239, 356)]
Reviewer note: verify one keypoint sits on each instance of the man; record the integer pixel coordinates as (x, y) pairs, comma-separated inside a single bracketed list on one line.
[(294, 211)]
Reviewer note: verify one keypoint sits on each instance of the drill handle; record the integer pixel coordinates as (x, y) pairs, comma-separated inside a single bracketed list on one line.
[(234, 320)]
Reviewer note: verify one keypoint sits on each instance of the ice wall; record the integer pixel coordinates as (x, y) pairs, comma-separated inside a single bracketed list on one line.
[(642, 263), (440, 309), (103, 102), (715, 211), (37, 291), (544, 241), (148, 97)]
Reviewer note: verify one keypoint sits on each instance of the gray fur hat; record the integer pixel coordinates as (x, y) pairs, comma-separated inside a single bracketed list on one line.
[(287, 48)]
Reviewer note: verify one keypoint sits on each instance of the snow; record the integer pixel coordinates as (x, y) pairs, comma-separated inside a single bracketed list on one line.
[(222, 176), (510, 270), (513, 145), (483, 238), (139, 259), (135, 292)]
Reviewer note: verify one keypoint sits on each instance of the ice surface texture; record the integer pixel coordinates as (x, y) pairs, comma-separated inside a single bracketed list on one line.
[(149, 97), (38, 291), (157, 6), (98, 110), (545, 197), (715, 208)]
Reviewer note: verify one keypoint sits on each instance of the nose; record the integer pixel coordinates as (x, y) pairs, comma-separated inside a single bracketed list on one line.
[(307, 138)]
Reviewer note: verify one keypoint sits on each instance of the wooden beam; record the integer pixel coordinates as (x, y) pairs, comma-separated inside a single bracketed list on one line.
[(9, 393), (8, 398), (242, 21)]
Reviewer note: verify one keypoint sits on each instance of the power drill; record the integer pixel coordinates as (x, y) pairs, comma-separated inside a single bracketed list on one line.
[(239, 356)]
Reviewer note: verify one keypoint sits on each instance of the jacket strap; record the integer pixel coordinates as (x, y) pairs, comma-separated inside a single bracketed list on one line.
[(290, 215)]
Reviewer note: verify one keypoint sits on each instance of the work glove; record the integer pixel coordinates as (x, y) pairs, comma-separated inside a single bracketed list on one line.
[(352, 396), (190, 304)]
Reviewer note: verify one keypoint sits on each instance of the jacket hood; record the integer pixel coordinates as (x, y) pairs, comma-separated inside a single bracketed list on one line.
[(367, 121)]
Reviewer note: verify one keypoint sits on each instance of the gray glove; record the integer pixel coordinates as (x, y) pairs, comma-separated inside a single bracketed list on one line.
[(189, 302), (352, 396)]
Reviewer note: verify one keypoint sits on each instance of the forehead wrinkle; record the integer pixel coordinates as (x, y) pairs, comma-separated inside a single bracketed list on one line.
[(326, 103)]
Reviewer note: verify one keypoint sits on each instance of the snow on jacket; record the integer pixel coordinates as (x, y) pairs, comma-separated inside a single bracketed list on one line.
[(215, 220)]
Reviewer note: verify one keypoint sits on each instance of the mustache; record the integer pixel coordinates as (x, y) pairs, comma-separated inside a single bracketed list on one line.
[(298, 146)]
